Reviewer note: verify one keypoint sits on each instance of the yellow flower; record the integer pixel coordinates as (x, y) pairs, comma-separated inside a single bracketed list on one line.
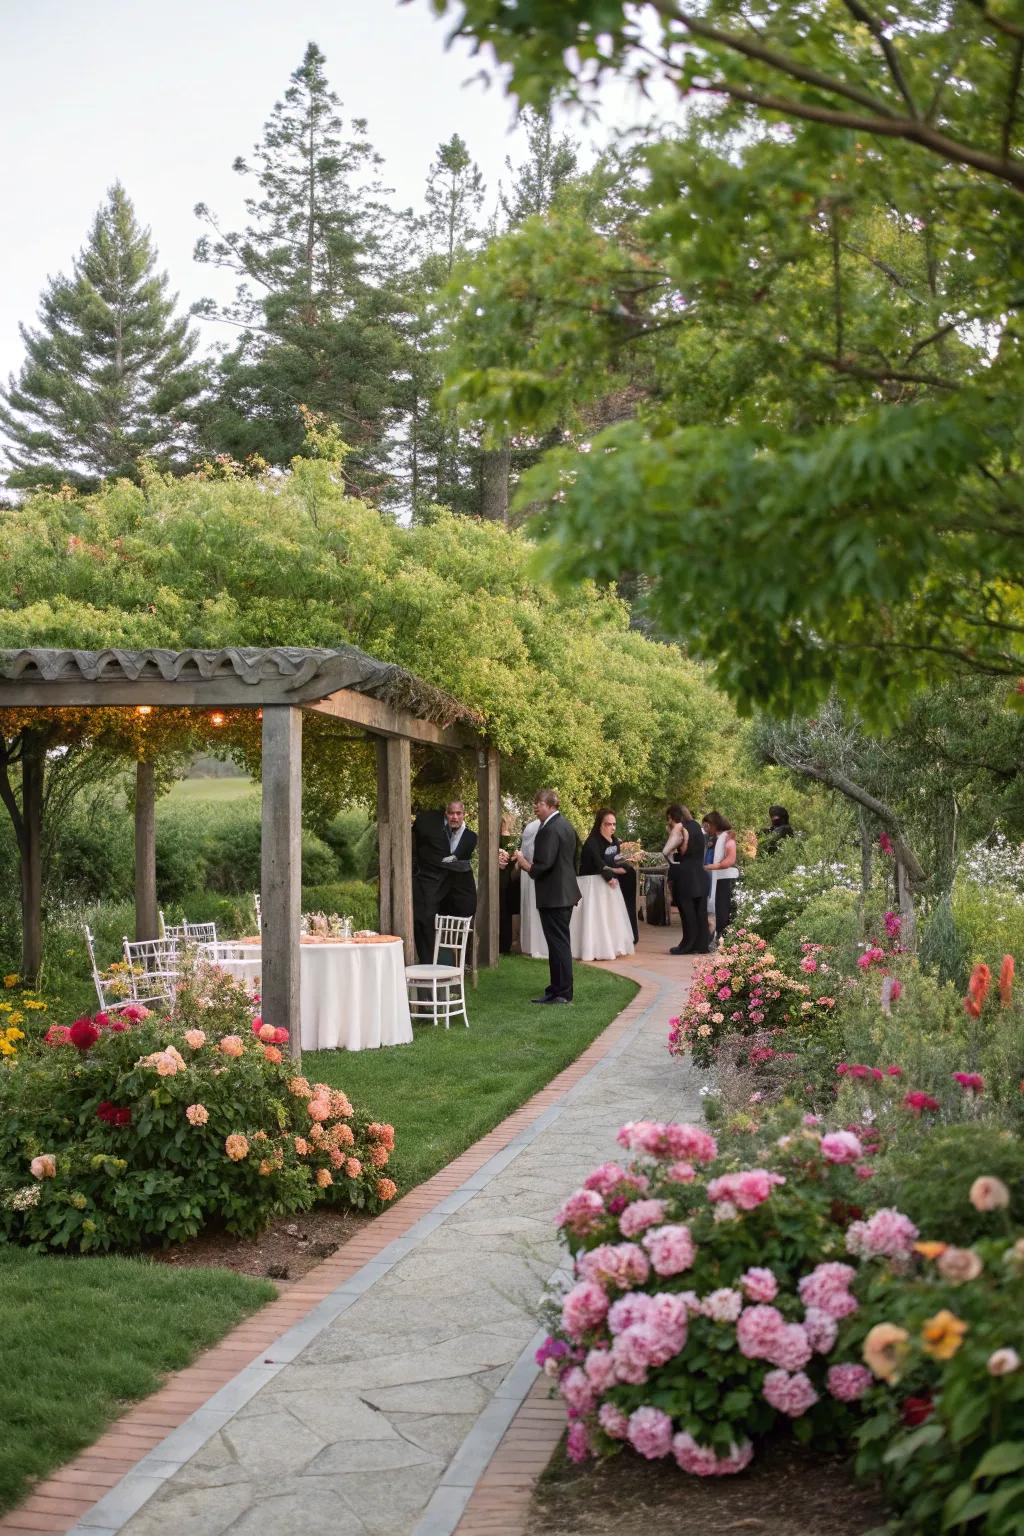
[(942, 1335), (6, 1007), (16, 1018), (14, 1034), (37, 1007), (885, 1350), (6, 1048), (11, 980)]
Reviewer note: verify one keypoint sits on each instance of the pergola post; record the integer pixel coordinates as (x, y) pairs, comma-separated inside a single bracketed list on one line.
[(33, 762), (384, 854), (281, 869), (145, 851), (398, 771), (489, 818)]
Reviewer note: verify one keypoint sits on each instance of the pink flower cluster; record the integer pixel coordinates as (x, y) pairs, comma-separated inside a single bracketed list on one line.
[(841, 1147), (620, 1264), (763, 1334), (745, 1190), (874, 955), (827, 1288), (789, 1394), (848, 1383), (636, 1218), (759, 1285), (888, 1234), (661, 1140), (582, 1212), (583, 1309), (701, 1461), (671, 1248)]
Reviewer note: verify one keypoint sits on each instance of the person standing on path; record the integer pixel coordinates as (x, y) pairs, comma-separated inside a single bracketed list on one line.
[(553, 872), (690, 890), (724, 871)]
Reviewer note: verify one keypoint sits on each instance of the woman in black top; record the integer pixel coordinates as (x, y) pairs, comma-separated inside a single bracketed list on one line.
[(600, 856)]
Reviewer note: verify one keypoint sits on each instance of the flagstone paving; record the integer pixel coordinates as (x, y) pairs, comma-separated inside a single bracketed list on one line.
[(378, 1413)]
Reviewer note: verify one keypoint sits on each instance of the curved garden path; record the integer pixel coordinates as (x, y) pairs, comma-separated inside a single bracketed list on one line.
[(378, 1413)]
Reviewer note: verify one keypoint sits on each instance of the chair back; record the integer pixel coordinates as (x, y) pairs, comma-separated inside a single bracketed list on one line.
[(153, 967), (177, 931), (200, 933), (97, 979), (452, 933), (258, 909)]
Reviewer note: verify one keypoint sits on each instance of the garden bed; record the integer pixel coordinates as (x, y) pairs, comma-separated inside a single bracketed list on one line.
[(788, 1491), (289, 1248)]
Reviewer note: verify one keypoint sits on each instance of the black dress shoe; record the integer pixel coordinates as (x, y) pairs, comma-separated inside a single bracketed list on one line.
[(544, 999), (566, 1002), (681, 949)]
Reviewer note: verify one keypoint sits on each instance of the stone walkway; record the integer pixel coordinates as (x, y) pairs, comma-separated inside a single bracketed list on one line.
[(378, 1413)]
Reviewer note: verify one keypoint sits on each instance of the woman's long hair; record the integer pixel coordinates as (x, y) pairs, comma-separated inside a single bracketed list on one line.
[(599, 816), (717, 821), (674, 814)]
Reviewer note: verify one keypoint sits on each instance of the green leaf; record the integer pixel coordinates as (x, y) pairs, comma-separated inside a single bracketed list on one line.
[(1008, 1456)]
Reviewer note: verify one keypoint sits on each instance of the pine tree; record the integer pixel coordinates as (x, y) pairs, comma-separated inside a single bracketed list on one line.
[(318, 264), (551, 162), (108, 376)]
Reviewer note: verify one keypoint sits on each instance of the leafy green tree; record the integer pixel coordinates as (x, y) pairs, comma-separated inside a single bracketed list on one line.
[(824, 279), (108, 376), (318, 295)]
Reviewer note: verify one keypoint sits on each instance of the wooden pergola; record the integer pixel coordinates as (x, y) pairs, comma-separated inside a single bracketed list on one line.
[(386, 702)]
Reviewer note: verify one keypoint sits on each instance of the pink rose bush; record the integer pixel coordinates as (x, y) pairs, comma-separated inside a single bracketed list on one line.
[(688, 1336), (756, 994), (140, 1129)]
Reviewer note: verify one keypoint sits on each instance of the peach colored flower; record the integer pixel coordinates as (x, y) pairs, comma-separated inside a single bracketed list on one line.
[(885, 1350), (323, 1178), (337, 1157), (341, 1135), (353, 1167), (387, 1189), (44, 1167), (316, 1132), (340, 1105), (302, 1146), (959, 1264), (942, 1335), (272, 1054), (989, 1193), (197, 1114), (231, 1045), (266, 1167), (319, 1109), (930, 1250), (378, 1156), (382, 1133), (195, 1038), (299, 1086), (237, 1147), (266, 1033)]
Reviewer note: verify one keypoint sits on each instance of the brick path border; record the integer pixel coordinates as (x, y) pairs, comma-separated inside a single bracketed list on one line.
[(59, 1501)]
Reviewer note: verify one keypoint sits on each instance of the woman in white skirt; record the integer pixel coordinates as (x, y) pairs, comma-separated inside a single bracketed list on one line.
[(531, 935), (723, 871), (601, 927)]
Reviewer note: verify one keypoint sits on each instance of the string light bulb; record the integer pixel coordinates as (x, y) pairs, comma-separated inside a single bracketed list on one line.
[(143, 709), (217, 718)]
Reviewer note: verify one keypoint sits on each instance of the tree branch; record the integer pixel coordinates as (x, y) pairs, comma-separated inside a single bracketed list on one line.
[(1010, 118), (834, 779), (1008, 27), (877, 31)]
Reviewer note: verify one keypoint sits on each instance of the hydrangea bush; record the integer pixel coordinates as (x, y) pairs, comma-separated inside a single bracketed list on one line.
[(708, 1298), (129, 1128)]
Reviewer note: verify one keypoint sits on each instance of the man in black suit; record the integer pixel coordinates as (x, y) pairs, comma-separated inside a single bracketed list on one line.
[(442, 846), (689, 890), (553, 872)]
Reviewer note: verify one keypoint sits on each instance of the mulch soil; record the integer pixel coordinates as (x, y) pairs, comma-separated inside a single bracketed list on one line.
[(290, 1246), (787, 1491)]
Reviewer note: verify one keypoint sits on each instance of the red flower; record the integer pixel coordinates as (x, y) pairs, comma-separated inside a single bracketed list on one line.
[(885, 842), (971, 1081), (916, 1410), (977, 989), (111, 1115), (257, 1024), (57, 1034), (894, 1071), (83, 1034), (917, 1101), (101, 1020)]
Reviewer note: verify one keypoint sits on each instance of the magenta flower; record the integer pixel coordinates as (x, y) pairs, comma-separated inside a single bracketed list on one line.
[(972, 1082)]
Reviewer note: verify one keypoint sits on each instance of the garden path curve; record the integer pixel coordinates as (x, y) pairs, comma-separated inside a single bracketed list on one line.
[(378, 1413)]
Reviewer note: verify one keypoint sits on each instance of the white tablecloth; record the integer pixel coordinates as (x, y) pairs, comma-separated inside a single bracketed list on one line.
[(598, 930), (352, 997)]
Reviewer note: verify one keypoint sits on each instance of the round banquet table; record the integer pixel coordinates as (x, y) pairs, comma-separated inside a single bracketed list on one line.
[(352, 995)]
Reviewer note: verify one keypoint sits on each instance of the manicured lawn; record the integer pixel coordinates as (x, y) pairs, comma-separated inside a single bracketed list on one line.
[(82, 1338), (450, 1087), (212, 789)]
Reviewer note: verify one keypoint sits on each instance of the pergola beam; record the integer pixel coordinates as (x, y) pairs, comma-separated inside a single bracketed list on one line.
[(385, 720)]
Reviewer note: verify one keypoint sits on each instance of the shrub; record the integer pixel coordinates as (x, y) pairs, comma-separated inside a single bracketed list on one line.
[(944, 950), (991, 920), (832, 919), (134, 1128), (946, 1427), (356, 898), (770, 909), (707, 1297), (930, 1169)]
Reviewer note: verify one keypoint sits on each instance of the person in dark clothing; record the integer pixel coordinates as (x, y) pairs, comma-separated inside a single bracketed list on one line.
[(600, 856), (553, 872), (442, 875), (778, 828), (689, 889), (508, 888)]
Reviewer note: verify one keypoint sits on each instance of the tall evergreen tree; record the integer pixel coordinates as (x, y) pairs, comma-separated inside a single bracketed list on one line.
[(317, 297), (552, 160), (108, 376)]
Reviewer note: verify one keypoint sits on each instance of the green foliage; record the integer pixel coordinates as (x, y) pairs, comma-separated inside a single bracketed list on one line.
[(989, 920), (945, 950), (929, 1176), (355, 898), (158, 1177), (115, 1327), (108, 377), (568, 692), (831, 919), (816, 294)]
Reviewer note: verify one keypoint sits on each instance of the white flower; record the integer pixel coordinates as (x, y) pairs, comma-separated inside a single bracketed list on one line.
[(1003, 1361)]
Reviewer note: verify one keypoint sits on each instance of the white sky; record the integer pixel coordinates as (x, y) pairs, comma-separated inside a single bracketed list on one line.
[(163, 94)]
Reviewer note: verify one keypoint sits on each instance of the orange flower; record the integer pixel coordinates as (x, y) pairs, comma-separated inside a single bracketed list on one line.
[(301, 1146), (353, 1167), (237, 1147), (387, 1189), (942, 1335), (272, 1054), (930, 1250), (1006, 980), (323, 1178), (885, 1350)]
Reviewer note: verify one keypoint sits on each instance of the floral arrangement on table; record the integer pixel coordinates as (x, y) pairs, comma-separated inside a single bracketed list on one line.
[(324, 925), (128, 1128), (637, 856), (740, 991), (708, 1298)]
